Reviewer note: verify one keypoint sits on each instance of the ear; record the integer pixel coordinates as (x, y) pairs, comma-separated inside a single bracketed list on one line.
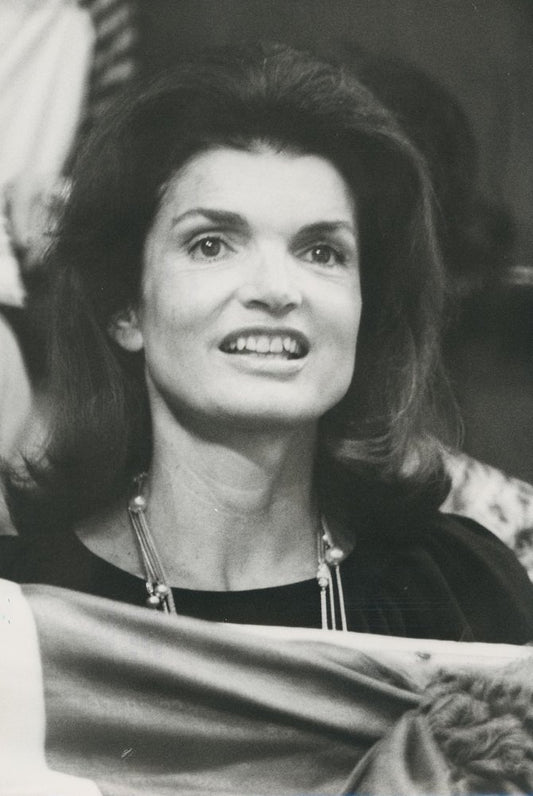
[(124, 329)]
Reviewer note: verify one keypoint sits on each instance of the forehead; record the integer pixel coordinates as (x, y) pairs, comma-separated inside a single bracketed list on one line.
[(261, 185)]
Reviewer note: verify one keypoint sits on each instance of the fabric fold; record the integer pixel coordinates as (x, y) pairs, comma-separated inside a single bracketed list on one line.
[(137, 703)]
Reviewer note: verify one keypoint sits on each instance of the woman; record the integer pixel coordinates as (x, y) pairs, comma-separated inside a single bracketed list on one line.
[(247, 293)]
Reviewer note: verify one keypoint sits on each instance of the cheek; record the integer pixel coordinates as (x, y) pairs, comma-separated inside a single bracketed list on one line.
[(341, 350), (344, 320), (171, 309)]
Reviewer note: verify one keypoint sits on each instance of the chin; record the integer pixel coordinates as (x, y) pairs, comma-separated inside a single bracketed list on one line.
[(262, 416), (259, 409)]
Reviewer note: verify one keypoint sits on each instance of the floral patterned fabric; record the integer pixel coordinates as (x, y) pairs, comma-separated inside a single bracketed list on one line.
[(501, 503)]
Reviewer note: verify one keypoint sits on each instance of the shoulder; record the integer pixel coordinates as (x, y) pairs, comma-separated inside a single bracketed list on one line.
[(456, 531), (12, 549), (456, 543), (449, 577), (461, 543), (38, 559), (489, 583)]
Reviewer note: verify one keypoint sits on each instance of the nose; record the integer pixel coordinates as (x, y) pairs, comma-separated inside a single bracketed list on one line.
[(270, 282)]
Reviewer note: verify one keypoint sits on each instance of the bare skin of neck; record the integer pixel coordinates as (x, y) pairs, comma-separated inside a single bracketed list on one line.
[(227, 511)]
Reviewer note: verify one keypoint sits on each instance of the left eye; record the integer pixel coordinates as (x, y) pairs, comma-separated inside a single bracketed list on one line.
[(209, 248), (323, 254)]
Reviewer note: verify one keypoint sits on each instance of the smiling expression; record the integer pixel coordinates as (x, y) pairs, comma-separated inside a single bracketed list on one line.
[(251, 299)]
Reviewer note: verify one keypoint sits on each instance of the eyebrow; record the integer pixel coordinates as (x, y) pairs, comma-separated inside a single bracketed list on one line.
[(222, 217), (327, 227), (226, 218)]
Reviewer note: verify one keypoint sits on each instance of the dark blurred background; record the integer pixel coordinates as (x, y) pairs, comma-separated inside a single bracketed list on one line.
[(464, 71)]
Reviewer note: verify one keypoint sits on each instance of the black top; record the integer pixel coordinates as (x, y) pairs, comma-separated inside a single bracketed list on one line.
[(448, 578)]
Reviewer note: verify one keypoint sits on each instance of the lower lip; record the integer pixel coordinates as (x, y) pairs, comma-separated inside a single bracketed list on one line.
[(268, 365)]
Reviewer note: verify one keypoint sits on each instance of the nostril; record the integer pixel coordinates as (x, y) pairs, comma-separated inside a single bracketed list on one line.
[(274, 304)]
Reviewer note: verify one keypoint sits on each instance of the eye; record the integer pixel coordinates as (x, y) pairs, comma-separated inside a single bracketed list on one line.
[(323, 254), (210, 247)]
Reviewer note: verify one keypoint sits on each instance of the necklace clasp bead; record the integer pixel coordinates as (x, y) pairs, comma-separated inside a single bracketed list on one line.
[(334, 556), (137, 504), (154, 602)]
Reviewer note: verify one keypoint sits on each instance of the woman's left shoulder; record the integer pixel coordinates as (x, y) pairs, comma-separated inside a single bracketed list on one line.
[(458, 524), (463, 536), (484, 574), (443, 527)]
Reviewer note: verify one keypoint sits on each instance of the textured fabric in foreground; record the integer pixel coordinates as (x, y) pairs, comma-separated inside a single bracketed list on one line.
[(111, 699)]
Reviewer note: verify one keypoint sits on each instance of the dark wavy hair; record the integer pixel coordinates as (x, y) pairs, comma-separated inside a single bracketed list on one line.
[(259, 94)]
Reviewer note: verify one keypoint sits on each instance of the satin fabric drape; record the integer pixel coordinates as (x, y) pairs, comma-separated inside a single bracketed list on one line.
[(135, 703)]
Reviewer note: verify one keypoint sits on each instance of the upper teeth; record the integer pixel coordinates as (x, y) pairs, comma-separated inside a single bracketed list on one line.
[(265, 344)]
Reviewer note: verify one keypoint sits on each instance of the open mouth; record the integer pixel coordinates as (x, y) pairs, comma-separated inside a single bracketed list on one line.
[(282, 345)]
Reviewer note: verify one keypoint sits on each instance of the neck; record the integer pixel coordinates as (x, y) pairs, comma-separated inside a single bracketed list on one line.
[(233, 513)]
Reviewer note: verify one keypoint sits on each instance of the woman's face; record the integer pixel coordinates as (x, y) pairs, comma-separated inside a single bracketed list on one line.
[(251, 299)]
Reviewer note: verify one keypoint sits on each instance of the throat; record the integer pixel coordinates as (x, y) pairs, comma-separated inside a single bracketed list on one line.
[(219, 549), (160, 593)]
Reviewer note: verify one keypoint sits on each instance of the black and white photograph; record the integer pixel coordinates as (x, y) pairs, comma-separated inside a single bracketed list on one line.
[(266, 397)]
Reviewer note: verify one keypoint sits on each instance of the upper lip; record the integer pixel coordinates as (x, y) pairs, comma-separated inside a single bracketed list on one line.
[(270, 331)]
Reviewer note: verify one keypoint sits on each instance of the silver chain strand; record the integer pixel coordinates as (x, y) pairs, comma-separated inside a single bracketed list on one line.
[(159, 592), (329, 558), (160, 595)]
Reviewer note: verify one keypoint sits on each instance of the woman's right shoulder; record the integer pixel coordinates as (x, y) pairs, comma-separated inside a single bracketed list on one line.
[(36, 559), (12, 553)]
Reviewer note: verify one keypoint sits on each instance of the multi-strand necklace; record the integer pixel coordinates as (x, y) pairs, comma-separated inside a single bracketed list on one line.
[(160, 597)]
